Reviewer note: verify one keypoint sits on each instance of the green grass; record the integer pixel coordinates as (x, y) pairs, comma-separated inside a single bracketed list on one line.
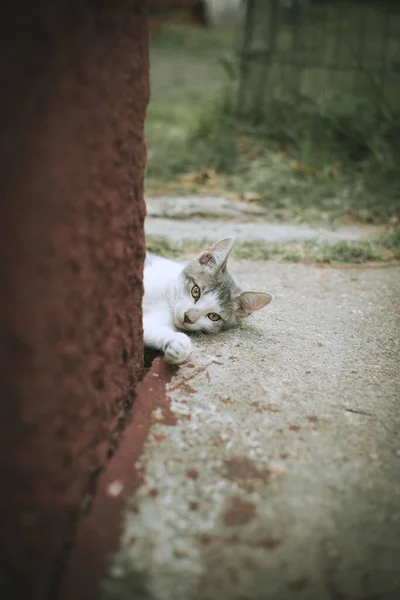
[(343, 167), (338, 162), (385, 249), (186, 77)]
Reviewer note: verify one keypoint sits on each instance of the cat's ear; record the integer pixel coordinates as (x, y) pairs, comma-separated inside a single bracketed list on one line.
[(248, 302), (217, 255)]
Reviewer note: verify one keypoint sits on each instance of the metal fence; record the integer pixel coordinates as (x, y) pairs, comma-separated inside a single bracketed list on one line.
[(318, 50)]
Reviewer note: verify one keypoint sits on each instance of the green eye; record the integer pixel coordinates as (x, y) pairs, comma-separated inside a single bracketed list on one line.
[(195, 291), (213, 317)]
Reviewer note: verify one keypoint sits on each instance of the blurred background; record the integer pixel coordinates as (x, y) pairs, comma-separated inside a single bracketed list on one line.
[(294, 104)]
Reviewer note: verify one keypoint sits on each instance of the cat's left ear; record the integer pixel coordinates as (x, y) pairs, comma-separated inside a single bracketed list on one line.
[(248, 302), (217, 255)]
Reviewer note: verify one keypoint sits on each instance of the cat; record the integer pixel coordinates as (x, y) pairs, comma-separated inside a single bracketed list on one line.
[(196, 296)]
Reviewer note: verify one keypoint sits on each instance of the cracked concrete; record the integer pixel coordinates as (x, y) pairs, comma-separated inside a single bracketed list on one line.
[(275, 473)]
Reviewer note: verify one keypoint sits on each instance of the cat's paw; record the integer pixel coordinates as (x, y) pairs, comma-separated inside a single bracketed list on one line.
[(177, 349)]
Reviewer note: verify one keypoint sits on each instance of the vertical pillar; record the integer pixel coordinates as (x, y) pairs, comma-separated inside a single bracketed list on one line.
[(74, 90)]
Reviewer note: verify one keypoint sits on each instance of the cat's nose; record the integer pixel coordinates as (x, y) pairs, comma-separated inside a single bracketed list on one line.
[(186, 319)]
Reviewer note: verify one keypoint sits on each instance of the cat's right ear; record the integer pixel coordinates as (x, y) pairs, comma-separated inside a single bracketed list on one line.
[(217, 255)]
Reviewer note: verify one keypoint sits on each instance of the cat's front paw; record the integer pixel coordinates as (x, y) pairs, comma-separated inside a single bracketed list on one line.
[(177, 349)]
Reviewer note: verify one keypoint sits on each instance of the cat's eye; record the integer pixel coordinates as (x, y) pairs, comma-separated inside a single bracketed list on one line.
[(213, 317), (195, 291)]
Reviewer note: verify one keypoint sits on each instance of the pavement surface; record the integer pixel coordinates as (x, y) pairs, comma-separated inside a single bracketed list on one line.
[(272, 468), (213, 218)]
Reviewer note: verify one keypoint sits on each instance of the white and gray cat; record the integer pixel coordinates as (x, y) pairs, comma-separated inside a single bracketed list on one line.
[(196, 296)]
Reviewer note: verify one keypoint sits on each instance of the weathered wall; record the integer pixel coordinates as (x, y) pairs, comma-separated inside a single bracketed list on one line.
[(74, 90)]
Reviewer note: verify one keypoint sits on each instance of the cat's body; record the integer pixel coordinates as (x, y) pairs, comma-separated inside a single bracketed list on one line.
[(196, 296)]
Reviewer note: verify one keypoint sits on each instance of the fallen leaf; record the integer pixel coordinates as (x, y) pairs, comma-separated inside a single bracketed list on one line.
[(244, 144), (333, 172), (278, 470), (251, 197)]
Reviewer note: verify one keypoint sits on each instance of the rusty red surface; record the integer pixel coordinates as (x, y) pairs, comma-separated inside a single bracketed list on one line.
[(192, 474), (239, 512), (246, 473), (99, 532), (74, 81)]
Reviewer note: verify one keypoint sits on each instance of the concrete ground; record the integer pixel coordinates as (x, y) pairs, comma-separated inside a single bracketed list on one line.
[(275, 472), (213, 218)]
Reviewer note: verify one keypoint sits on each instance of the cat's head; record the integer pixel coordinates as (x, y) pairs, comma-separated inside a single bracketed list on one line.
[(209, 298)]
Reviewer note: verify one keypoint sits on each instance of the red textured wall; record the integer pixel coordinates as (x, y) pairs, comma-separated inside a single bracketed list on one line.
[(74, 90)]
